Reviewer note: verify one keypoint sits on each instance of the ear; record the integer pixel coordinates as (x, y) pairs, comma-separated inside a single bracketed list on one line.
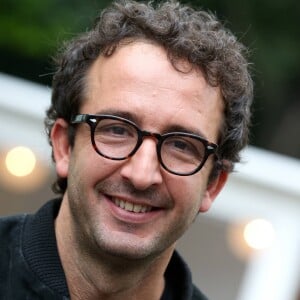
[(213, 190), (61, 147)]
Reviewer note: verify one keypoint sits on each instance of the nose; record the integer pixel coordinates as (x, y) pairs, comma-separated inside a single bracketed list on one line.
[(143, 168)]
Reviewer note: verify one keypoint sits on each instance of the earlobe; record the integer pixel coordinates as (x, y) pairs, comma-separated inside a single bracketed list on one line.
[(213, 189), (61, 147)]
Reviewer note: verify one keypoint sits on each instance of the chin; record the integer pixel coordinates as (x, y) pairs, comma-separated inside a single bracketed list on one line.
[(131, 249)]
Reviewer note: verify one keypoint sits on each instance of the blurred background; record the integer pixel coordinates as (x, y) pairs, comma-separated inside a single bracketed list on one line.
[(31, 31), (227, 264)]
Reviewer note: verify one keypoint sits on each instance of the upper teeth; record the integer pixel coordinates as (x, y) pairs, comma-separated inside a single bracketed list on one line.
[(137, 208)]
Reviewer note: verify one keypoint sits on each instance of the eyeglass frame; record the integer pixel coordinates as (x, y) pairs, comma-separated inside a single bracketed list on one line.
[(93, 119)]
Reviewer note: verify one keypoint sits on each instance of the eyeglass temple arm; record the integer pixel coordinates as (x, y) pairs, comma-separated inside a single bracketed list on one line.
[(79, 119)]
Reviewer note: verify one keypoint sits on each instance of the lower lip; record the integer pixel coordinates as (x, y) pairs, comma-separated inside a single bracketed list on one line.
[(132, 217)]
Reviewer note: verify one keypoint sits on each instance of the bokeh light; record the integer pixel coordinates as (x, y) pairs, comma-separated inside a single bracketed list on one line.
[(20, 161), (259, 234)]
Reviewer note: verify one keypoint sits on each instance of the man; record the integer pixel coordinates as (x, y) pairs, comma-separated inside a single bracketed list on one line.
[(139, 105)]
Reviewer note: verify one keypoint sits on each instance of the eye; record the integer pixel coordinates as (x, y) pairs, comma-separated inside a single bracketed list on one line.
[(179, 145), (184, 145), (114, 129)]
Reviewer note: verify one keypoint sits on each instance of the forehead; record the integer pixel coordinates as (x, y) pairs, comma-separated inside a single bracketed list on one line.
[(138, 78)]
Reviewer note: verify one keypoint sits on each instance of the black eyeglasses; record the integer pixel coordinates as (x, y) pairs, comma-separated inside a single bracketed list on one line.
[(117, 138)]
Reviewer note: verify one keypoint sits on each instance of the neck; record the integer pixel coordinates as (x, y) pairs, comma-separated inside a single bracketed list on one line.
[(102, 276)]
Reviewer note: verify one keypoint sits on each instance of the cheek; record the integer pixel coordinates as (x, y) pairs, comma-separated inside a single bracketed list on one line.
[(89, 168), (187, 192)]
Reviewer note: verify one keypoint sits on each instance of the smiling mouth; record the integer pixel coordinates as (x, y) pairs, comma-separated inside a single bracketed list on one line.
[(131, 207)]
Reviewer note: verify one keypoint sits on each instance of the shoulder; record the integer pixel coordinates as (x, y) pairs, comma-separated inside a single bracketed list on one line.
[(197, 294), (179, 281), (10, 236), (9, 226)]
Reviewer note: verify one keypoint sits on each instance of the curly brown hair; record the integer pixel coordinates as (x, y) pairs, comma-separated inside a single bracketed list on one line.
[(193, 35)]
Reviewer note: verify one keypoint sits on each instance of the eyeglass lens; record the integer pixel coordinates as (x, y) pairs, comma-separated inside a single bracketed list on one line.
[(116, 139)]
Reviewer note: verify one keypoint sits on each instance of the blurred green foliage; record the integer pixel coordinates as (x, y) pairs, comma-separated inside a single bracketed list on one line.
[(32, 30), (35, 27)]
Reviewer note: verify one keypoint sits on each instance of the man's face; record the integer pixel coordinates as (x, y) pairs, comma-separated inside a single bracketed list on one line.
[(139, 82)]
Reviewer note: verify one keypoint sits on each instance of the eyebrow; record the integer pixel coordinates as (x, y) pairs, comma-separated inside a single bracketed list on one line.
[(135, 119), (180, 128), (119, 113)]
